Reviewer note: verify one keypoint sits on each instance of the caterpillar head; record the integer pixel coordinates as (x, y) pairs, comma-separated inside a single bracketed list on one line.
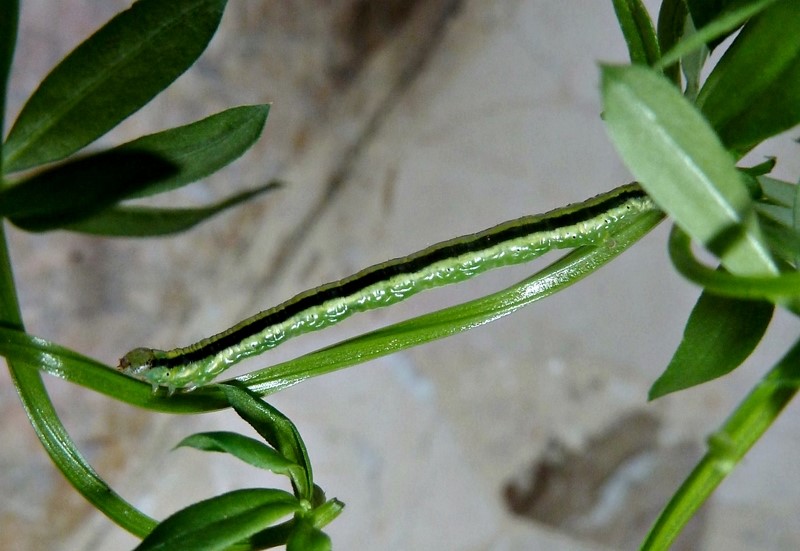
[(137, 361)]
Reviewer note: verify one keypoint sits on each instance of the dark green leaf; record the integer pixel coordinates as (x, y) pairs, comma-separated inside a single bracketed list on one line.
[(714, 31), (9, 16), (784, 241), (637, 28), (781, 219), (720, 334), (247, 449), (761, 168), (203, 147), (79, 188), (136, 221), (777, 213), (754, 91), (305, 537), (670, 28), (272, 536), (678, 159), (110, 76), (221, 521), (705, 12), (278, 431)]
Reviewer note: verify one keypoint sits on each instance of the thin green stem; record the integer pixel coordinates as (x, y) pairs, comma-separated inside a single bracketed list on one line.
[(727, 447), (48, 427)]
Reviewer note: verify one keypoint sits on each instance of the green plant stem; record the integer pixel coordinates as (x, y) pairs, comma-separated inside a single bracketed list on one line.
[(71, 366), (727, 446), (48, 427)]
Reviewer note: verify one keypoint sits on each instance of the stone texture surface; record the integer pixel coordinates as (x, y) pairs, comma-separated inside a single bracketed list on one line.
[(395, 125)]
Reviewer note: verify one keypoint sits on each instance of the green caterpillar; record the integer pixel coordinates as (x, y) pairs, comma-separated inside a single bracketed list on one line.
[(452, 261)]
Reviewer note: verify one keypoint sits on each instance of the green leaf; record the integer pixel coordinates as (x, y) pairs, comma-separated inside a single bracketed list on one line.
[(781, 219), (779, 191), (671, 26), (79, 188), (784, 241), (720, 334), (706, 12), (278, 431), (137, 221), (221, 521), (247, 449), (637, 28), (692, 63), (712, 31), (327, 512), (679, 160), (9, 18), (760, 169), (305, 537), (110, 76), (203, 147), (754, 91)]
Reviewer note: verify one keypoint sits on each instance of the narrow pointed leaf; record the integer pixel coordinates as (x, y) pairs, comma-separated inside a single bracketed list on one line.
[(79, 188), (638, 30), (203, 147), (670, 28), (243, 447), (754, 91), (221, 521), (138, 221), (720, 334), (277, 430), (678, 159), (110, 76), (760, 169), (784, 241), (327, 512), (715, 30)]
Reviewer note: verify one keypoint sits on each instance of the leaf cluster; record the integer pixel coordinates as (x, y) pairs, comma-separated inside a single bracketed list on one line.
[(682, 139), (48, 182)]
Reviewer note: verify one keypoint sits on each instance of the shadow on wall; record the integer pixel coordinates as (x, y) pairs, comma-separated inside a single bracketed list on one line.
[(611, 491)]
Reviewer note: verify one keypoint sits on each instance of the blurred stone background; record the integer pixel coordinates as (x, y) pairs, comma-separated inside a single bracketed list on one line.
[(395, 124)]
